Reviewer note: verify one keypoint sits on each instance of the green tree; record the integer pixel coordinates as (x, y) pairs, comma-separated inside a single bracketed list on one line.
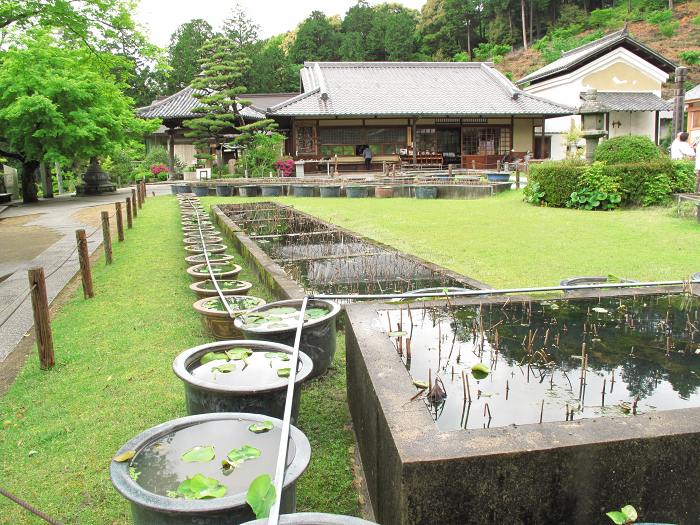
[(219, 91), (184, 52), (273, 71), (317, 39), (60, 104), (355, 28), (392, 36), (241, 29)]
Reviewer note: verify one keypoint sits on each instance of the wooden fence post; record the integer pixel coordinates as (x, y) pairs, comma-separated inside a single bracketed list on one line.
[(134, 209), (120, 221), (42, 320), (84, 258), (145, 191), (129, 223), (106, 237), (139, 195)]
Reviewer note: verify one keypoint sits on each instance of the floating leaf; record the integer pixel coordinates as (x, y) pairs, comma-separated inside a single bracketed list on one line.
[(238, 354), (281, 310), (480, 371), (133, 474), (397, 333), (261, 496), (283, 372), (618, 517), (245, 453), (630, 512), (124, 456), (212, 356), (600, 310), (282, 356), (261, 428), (420, 384), (199, 454), (200, 487), (225, 368), (315, 313)]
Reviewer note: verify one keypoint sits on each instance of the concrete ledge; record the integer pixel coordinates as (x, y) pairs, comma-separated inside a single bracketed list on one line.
[(559, 472)]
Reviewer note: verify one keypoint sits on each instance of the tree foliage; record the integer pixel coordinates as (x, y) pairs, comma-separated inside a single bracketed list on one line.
[(184, 52)]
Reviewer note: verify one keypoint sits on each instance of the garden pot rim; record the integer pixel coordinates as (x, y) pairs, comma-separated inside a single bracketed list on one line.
[(226, 258), (198, 248), (198, 305), (210, 238), (591, 279), (194, 227), (194, 270), (195, 286), (335, 309), (314, 518), (135, 494), (184, 359)]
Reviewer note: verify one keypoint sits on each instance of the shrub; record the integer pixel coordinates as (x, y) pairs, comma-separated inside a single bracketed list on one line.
[(556, 179), (260, 154), (668, 29), (631, 149), (682, 176), (285, 167), (644, 184), (598, 190), (690, 57)]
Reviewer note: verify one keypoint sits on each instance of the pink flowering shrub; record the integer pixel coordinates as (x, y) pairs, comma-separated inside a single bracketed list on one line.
[(286, 167), (159, 168)]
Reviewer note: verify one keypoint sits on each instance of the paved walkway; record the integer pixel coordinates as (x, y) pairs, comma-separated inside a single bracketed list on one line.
[(54, 221)]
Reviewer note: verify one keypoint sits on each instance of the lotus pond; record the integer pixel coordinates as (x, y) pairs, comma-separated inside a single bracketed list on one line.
[(518, 362)]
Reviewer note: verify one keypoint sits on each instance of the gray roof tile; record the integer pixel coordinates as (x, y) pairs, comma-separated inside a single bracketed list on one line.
[(581, 54), (411, 88), (632, 101)]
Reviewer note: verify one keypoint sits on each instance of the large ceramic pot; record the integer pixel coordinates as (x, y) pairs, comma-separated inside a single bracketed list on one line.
[(302, 190), (329, 191), (208, 239), (227, 286), (161, 468), (314, 518), (193, 249), (185, 188), (384, 192), (201, 191), (227, 270), (224, 190), (271, 190), (253, 380), (216, 320), (426, 192), (216, 258), (174, 189), (356, 192), (277, 322), (248, 191), (498, 177)]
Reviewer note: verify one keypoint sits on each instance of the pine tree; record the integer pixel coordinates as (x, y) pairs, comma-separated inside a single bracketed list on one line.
[(219, 90)]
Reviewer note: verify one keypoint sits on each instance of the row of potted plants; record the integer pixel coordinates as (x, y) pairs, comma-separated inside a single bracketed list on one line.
[(213, 466), (421, 191)]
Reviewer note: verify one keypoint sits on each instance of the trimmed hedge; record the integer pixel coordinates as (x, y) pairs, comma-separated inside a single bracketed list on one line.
[(627, 150), (557, 179), (640, 184)]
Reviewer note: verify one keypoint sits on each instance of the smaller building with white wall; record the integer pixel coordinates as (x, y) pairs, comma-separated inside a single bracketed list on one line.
[(628, 77)]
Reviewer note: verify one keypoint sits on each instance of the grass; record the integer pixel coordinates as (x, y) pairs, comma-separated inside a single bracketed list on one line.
[(504, 242), (113, 379)]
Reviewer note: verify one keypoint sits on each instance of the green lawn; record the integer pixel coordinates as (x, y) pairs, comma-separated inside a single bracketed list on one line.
[(113, 379), (505, 242)]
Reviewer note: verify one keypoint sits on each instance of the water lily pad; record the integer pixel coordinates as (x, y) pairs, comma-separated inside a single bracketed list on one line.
[(201, 487), (124, 456), (225, 368), (281, 310), (199, 454), (420, 384), (315, 313), (398, 333), (261, 496), (480, 371), (245, 453), (261, 428), (284, 372), (238, 354), (212, 356), (277, 355)]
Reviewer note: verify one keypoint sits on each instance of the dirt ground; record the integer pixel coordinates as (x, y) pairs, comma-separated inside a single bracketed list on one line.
[(21, 243)]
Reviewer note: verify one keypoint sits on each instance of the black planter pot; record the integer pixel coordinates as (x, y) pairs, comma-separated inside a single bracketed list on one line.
[(426, 192), (248, 191), (224, 190), (204, 396), (185, 188), (329, 191), (174, 189), (272, 190), (318, 337), (303, 191), (201, 191), (314, 518), (356, 192), (149, 508)]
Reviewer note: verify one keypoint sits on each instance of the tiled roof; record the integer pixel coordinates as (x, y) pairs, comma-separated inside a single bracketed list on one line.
[(632, 101), (693, 94), (183, 103), (410, 89), (575, 57)]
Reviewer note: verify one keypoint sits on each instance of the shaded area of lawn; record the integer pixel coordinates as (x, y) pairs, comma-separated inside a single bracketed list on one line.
[(113, 379), (505, 242)]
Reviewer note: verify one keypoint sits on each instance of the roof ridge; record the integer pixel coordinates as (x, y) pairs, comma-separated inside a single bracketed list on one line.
[(610, 36), (372, 64), (159, 103), (300, 96)]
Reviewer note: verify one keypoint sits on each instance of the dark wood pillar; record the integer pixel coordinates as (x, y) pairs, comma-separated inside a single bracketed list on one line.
[(542, 139), (171, 149), (413, 139)]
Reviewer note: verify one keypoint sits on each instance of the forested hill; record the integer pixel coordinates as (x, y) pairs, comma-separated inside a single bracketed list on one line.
[(518, 35)]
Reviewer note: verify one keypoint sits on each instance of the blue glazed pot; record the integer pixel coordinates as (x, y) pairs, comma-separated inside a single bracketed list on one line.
[(174, 189), (303, 191), (224, 190), (185, 188), (498, 177), (356, 192), (248, 191), (271, 191), (426, 192), (201, 191), (330, 191)]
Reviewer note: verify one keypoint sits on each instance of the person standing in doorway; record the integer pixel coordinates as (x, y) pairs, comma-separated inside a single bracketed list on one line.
[(680, 148), (367, 155)]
